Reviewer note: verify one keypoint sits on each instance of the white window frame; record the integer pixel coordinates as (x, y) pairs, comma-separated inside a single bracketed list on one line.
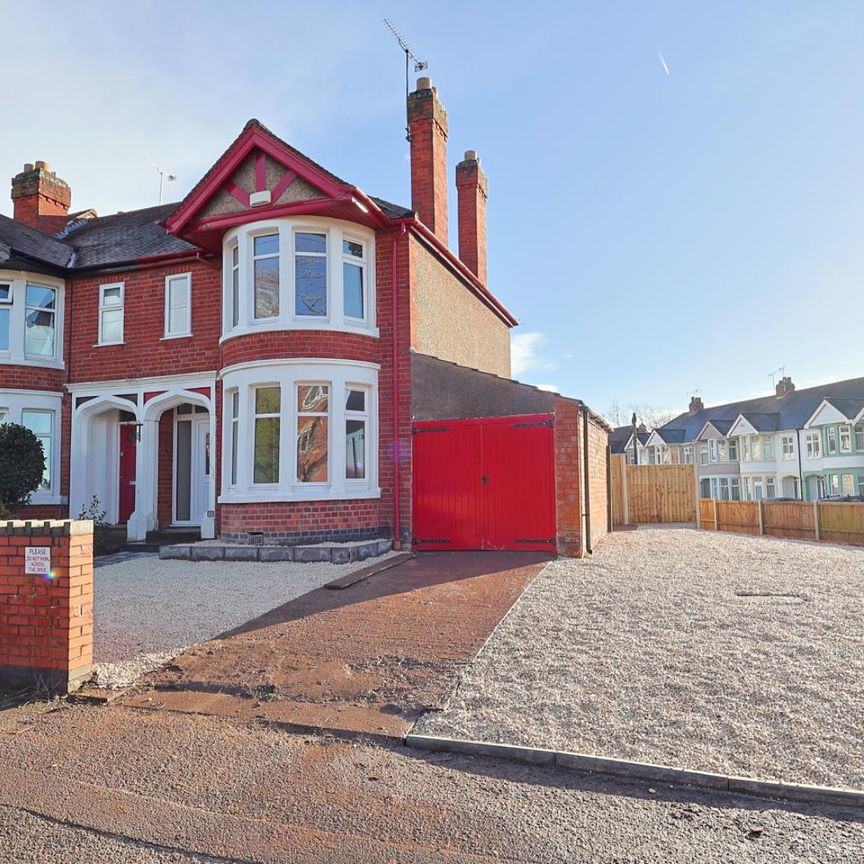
[(7, 304), (103, 309), (339, 375), (361, 263), (813, 442), (187, 280), (361, 416), (232, 397), (831, 437), (273, 415), (687, 454), (733, 450), (298, 414), (252, 258), (14, 403), (19, 280), (788, 447), (844, 432), (859, 436), (336, 230), (54, 312)]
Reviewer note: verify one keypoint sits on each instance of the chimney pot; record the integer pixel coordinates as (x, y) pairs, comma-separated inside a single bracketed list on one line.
[(28, 166), (471, 156), (42, 166), (424, 83)]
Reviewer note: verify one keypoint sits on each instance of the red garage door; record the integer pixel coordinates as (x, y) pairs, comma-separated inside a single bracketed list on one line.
[(485, 484)]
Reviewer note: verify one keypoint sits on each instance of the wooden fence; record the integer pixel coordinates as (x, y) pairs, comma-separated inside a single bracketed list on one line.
[(830, 521), (645, 494)]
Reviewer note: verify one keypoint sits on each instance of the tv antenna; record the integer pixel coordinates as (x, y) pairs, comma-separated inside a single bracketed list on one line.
[(781, 371), (419, 66), (164, 177)]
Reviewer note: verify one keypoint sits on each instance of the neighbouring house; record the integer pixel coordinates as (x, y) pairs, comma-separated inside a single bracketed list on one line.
[(805, 444), (621, 443), (255, 361)]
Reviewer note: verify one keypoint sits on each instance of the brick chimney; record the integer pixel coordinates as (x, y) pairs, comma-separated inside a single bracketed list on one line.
[(696, 404), (784, 387), (40, 198), (473, 190), (427, 123)]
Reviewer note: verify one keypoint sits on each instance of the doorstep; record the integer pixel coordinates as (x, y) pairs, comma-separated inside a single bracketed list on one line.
[(337, 554)]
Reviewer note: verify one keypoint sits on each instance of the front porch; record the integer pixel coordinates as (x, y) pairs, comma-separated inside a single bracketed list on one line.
[(146, 458)]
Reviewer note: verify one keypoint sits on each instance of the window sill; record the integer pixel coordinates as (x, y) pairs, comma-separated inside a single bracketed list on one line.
[(295, 326), (316, 494), (176, 336), (107, 344), (28, 360)]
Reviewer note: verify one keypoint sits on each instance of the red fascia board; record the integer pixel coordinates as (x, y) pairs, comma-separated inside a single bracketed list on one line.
[(252, 139), (229, 220), (461, 269)]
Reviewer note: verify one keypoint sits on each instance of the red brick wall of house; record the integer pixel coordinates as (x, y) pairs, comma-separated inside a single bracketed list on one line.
[(46, 624), (144, 352)]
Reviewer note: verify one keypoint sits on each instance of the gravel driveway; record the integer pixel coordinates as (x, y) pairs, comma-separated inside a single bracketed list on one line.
[(148, 610), (711, 651)]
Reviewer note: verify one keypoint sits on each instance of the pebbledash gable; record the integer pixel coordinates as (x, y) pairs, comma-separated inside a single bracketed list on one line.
[(239, 363)]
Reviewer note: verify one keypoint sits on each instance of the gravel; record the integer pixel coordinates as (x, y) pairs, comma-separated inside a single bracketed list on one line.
[(710, 651), (148, 610)]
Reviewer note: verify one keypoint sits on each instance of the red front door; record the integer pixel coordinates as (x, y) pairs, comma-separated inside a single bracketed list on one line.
[(485, 484), (128, 449)]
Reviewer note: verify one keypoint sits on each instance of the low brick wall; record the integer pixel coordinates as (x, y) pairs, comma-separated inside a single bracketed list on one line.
[(46, 618)]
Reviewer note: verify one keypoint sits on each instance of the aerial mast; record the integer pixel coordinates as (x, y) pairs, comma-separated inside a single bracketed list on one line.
[(419, 66)]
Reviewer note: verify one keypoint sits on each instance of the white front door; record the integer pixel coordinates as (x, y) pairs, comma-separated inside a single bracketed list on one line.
[(191, 467)]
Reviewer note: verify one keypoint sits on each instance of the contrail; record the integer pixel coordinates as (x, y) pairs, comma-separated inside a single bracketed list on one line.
[(663, 63)]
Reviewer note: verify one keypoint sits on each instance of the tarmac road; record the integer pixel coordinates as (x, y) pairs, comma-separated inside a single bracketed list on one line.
[(119, 784)]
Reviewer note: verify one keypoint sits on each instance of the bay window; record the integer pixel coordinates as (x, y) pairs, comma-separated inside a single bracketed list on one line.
[(31, 318), (40, 413), (300, 430), (40, 321), (5, 314), (299, 273)]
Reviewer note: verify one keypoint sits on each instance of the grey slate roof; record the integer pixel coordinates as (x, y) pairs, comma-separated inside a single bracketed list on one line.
[(30, 243), (768, 413), (621, 436), (125, 237)]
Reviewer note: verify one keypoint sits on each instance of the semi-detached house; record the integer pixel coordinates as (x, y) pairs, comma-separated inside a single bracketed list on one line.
[(256, 361), (805, 444)]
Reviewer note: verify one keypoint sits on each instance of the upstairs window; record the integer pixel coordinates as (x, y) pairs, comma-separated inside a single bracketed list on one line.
[(235, 285), (310, 274), (353, 278), (111, 314), (40, 321), (831, 439), (859, 436), (178, 305), (687, 455), (5, 314), (813, 441), (788, 447), (845, 439), (265, 267), (733, 449)]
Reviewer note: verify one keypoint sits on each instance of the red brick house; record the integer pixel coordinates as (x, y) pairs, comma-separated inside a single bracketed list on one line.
[(252, 360)]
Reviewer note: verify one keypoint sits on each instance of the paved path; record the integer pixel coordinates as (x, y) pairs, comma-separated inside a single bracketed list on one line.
[(108, 784), (370, 658)]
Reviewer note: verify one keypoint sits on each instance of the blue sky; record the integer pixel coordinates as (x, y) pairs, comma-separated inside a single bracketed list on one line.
[(653, 233)]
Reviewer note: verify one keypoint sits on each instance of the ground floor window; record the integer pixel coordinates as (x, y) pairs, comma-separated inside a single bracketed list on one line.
[(40, 413), (721, 488), (759, 488), (300, 431)]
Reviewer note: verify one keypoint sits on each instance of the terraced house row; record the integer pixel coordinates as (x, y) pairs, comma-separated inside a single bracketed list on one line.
[(805, 444), (252, 362)]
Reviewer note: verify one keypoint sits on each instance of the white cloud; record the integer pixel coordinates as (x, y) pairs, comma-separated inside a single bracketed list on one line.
[(526, 354), (551, 388)]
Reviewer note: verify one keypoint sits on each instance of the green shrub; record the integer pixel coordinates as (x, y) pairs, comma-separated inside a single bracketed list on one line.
[(93, 511), (22, 465)]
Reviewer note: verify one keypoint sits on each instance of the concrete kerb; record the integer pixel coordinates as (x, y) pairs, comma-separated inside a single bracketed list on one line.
[(644, 771), (359, 551)]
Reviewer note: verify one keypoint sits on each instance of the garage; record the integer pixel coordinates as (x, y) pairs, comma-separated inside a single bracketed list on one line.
[(485, 483)]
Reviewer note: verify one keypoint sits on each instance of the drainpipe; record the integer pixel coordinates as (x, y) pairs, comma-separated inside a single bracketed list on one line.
[(586, 481), (394, 394)]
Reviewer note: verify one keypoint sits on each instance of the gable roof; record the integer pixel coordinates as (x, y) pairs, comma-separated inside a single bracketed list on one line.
[(768, 413), (621, 437)]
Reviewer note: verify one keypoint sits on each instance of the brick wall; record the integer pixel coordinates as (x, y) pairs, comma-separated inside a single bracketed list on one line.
[(598, 439), (46, 621), (144, 352), (567, 477)]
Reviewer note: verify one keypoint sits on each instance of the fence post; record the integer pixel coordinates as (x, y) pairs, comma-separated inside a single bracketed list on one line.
[(761, 518), (625, 490), (816, 526), (716, 523)]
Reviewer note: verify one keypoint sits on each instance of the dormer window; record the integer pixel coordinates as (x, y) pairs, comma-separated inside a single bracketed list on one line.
[(299, 273)]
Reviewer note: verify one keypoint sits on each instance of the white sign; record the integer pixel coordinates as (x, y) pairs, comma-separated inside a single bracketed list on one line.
[(37, 560)]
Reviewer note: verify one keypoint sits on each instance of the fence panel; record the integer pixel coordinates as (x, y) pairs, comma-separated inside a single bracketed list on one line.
[(741, 517), (789, 519), (841, 523), (661, 493)]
